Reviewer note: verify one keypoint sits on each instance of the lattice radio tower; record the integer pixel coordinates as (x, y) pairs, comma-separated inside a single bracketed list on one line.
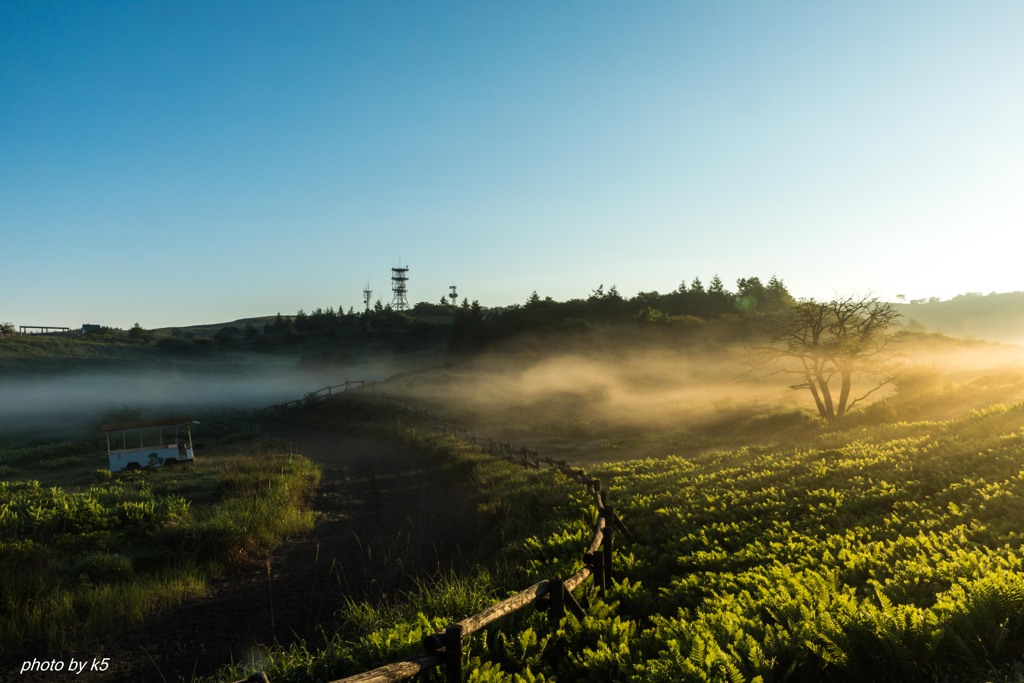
[(454, 296), (398, 280), (367, 295)]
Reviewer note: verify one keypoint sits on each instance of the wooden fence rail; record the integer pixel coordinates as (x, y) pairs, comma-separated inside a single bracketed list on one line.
[(314, 396), (553, 595)]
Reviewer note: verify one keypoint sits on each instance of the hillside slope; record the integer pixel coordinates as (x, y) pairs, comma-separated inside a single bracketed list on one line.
[(996, 317)]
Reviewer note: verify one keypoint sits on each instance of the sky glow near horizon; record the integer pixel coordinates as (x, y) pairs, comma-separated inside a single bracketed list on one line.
[(175, 163)]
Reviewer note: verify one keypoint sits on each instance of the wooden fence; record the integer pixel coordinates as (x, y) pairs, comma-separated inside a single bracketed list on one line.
[(319, 394), (555, 595)]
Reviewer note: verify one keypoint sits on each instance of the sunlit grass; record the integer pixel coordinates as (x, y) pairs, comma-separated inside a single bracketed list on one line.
[(772, 548), (81, 561), (61, 616)]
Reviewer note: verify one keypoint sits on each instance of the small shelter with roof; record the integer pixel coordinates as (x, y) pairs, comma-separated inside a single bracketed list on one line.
[(149, 443)]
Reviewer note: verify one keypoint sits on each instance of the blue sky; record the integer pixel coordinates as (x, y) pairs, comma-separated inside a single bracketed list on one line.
[(173, 163)]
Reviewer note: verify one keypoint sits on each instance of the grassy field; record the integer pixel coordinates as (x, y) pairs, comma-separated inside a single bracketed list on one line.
[(882, 552), (33, 353), (770, 547), (83, 551)]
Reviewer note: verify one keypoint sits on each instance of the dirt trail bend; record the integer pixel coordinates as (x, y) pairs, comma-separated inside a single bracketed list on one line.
[(386, 514)]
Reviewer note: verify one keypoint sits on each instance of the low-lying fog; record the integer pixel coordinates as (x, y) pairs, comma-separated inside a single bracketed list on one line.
[(589, 392), (519, 395), (75, 401)]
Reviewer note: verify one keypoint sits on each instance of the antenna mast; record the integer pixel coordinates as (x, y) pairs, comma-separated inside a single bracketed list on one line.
[(454, 296), (367, 295)]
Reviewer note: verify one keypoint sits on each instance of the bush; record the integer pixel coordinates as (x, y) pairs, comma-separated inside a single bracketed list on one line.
[(99, 568)]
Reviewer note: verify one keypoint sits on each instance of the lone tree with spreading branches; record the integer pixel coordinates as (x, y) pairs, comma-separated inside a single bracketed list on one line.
[(826, 341)]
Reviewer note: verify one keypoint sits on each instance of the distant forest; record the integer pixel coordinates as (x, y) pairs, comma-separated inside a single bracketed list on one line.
[(471, 326), (996, 317)]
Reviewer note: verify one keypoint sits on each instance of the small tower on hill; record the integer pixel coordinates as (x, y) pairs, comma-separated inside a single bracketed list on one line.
[(367, 295), (399, 276)]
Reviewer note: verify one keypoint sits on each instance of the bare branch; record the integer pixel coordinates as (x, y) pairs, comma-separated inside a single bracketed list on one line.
[(861, 398)]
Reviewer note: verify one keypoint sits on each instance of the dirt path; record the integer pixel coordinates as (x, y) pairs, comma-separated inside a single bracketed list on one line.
[(386, 515)]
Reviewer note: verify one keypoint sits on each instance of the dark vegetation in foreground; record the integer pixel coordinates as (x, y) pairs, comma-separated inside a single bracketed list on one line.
[(84, 551)]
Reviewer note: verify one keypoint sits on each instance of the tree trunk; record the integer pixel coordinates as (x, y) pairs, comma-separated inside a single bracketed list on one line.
[(809, 379), (826, 396), (844, 391)]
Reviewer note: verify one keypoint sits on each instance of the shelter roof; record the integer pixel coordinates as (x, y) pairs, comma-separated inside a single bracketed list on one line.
[(142, 424)]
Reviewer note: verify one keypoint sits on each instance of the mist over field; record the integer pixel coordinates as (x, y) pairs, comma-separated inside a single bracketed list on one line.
[(617, 380), (649, 389), (74, 401), (630, 389)]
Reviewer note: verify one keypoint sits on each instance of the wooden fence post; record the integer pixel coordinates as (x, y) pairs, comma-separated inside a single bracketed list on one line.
[(607, 545), (453, 654), (562, 599), (556, 589)]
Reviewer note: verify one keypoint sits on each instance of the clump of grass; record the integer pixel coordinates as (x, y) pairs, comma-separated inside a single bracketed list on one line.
[(98, 567), (58, 615), (64, 461), (34, 453)]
